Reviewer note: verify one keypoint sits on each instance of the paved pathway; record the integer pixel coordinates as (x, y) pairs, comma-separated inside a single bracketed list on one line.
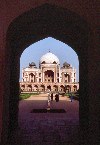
[(47, 128)]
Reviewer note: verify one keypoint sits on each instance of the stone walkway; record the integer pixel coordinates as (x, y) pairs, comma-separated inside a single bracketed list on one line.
[(47, 128)]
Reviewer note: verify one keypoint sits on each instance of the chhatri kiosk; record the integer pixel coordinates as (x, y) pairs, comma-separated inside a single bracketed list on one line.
[(49, 75)]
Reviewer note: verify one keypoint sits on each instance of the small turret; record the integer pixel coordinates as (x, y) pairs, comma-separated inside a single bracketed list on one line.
[(32, 64), (66, 65)]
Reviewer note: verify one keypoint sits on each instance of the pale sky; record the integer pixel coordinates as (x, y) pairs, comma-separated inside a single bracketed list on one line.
[(34, 52)]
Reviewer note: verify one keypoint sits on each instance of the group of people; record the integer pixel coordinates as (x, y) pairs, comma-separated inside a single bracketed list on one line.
[(50, 95), (56, 97)]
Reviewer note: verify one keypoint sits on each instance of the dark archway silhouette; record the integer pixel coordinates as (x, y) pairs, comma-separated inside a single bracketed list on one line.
[(36, 24)]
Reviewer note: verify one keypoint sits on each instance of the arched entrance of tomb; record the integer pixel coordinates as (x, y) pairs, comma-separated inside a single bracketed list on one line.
[(36, 24), (29, 88), (35, 88), (49, 87), (74, 88), (62, 88), (55, 88), (49, 76), (22, 88), (42, 88), (68, 88)]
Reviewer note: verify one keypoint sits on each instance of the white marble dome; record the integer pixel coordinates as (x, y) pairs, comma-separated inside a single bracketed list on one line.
[(49, 58)]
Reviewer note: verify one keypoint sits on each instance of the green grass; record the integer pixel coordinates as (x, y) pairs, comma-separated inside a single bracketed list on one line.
[(26, 95)]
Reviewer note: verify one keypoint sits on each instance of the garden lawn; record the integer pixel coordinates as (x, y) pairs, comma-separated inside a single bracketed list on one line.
[(26, 95)]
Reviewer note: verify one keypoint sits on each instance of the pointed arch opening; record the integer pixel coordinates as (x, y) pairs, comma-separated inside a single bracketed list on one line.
[(34, 25)]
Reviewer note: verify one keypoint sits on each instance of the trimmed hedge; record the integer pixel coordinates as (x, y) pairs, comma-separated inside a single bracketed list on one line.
[(75, 96), (26, 95)]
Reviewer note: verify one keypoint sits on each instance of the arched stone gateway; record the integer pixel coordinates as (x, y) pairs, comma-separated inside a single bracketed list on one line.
[(22, 88), (42, 88), (68, 88), (35, 88), (72, 22), (49, 87), (62, 88), (29, 88), (55, 88), (74, 88)]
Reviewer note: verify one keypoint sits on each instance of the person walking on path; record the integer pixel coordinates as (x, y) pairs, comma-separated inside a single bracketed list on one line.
[(51, 96), (48, 94), (57, 97), (71, 97)]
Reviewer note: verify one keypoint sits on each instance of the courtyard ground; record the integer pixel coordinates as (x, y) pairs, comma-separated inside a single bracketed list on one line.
[(47, 128)]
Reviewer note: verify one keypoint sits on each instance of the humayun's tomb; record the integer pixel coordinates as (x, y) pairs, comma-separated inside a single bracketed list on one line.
[(49, 75)]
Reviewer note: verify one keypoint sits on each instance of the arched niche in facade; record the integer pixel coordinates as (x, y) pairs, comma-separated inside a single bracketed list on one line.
[(49, 76), (29, 88), (68, 88), (42, 88), (62, 88), (22, 88), (49, 87), (55, 88), (32, 77), (74, 88), (67, 77), (35, 88)]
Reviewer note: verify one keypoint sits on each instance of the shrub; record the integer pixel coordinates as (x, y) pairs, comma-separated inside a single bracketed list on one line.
[(26, 95)]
